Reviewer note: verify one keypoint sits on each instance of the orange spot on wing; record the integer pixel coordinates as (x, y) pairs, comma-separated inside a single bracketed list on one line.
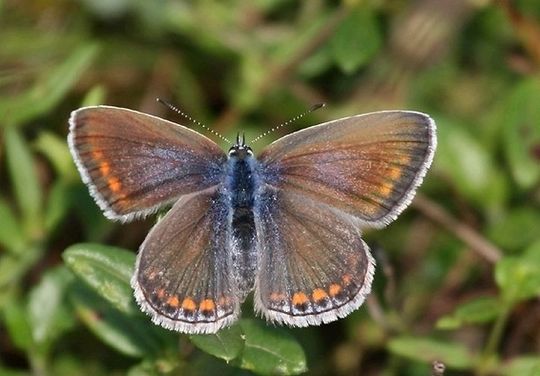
[(114, 185), (97, 154), (334, 289), (160, 293), (188, 304), (404, 159), (395, 173), (277, 296), (385, 190), (207, 305), (299, 298), (319, 294), (104, 168), (173, 301), (347, 279), (224, 301)]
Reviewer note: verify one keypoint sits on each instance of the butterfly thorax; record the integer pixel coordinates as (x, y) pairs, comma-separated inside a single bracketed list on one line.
[(241, 184)]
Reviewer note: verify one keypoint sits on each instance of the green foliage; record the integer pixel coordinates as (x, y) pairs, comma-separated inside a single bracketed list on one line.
[(458, 275), (427, 350)]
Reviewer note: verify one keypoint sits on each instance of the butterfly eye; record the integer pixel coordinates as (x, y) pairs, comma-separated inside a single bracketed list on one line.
[(240, 151)]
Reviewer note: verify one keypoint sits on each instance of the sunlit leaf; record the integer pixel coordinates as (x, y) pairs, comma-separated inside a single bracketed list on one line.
[(356, 40), (522, 366), (48, 311), (107, 270), (269, 350), (427, 350), (478, 311), (11, 235), (26, 187), (226, 344), (521, 122), (518, 278)]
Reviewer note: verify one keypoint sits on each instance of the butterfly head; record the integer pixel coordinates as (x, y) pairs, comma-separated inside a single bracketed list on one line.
[(240, 150)]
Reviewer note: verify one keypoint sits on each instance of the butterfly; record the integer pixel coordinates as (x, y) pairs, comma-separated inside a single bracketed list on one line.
[(285, 224)]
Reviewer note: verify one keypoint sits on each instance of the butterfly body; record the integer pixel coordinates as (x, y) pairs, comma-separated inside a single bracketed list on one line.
[(241, 183), (285, 225)]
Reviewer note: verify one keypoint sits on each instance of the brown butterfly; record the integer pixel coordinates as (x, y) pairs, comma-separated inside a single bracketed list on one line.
[(285, 224)]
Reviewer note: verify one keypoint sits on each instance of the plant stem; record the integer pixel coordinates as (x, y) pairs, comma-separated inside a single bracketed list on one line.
[(494, 340)]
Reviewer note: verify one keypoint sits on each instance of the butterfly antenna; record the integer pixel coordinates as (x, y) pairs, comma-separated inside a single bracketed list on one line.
[(297, 117), (196, 122)]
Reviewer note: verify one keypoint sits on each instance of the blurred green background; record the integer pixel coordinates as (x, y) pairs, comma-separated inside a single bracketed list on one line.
[(458, 275)]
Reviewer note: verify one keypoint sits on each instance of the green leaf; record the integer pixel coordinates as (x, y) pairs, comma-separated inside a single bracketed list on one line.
[(479, 311), (131, 335), (50, 88), (17, 324), (518, 278), (11, 235), (522, 366), (469, 164), (356, 40), (107, 270), (47, 310), (517, 229), (269, 350), (532, 253), (58, 203), (95, 96), (226, 344), (521, 126), (57, 152), (12, 372), (428, 350), (25, 181)]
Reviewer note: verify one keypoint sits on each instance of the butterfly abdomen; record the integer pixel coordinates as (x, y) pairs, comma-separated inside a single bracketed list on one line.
[(241, 184)]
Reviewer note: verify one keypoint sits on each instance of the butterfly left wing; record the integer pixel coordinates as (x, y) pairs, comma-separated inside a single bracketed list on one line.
[(183, 276), (367, 166), (313, 266), (134, 163)]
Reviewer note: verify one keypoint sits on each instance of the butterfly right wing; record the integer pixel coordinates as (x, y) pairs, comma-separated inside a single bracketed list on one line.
[(183, 276)]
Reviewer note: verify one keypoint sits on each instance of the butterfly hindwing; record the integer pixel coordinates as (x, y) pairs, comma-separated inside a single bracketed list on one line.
[(313, 266), (184, 277), (134, 163), (368, 165)]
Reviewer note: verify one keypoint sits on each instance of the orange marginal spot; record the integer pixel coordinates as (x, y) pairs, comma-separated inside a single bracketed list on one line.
[(299, 298), (160, 293), (347, 279), (224, 301), (334, 289), (207, 305), (114, 185), (385, 190), (404, 159), (319, 294), (395, 173), (188, 304), (277, 296), (173, 301), (97, 154), (104, 168)]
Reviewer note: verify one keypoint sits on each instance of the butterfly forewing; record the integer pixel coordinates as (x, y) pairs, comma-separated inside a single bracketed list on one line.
[(313, 265), (184, 277), (367, 165), (134, 162)]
